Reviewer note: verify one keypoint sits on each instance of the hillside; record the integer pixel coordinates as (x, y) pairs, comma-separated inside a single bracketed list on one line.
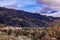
[(19, 18)]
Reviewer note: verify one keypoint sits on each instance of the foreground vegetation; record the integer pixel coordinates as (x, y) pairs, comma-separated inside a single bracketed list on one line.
[(50, 33)]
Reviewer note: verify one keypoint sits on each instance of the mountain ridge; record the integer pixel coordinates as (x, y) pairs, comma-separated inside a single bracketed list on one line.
[(20, 18)]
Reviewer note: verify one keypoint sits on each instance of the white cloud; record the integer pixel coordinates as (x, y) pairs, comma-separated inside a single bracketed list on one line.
[(26, 5), (57, 14), (19, 3), (52, 4), (7, 2)]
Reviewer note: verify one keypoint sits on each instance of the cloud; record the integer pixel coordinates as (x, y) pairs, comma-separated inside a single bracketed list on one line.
[(26, 5), (51, 4), (30, 6), (6, 2), (57, 14), (12, 6)]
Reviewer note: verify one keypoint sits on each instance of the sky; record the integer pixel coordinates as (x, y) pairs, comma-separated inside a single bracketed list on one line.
[(26, 5), (40, 6), (51, 4)]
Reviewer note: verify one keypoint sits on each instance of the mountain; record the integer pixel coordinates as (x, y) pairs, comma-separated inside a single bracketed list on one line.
[(20, 18)]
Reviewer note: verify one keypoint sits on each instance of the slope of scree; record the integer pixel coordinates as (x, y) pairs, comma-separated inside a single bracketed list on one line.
[(19, 18)]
